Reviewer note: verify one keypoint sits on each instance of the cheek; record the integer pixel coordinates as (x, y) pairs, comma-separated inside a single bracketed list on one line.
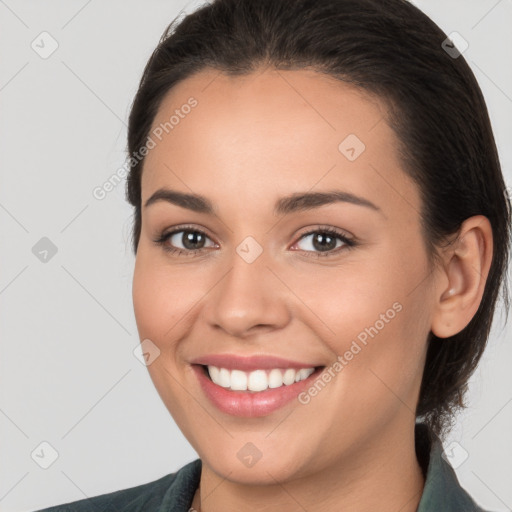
[(394, 313), (373, 314), (163, 300), (340, 302), (163, 297)]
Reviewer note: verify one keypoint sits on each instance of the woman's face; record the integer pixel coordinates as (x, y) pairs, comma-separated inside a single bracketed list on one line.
[(263, 278)]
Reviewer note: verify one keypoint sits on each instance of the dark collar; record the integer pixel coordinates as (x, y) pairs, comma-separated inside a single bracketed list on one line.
[(442, 491)]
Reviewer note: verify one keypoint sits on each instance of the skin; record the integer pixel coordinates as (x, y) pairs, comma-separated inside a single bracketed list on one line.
[(249, 141)]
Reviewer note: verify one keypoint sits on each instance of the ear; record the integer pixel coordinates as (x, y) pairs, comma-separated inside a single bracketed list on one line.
[(460, 286)]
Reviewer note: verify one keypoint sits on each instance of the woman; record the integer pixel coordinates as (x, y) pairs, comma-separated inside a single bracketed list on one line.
[(321, 229)]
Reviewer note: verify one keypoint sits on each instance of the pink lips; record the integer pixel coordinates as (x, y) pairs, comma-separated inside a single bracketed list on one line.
[(250, 363), (248, 403)]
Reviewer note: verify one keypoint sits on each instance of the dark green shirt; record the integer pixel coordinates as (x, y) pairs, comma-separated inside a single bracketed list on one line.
[(174, 492)]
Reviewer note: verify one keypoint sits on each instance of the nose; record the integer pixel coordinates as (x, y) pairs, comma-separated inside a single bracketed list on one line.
[(248, 299)]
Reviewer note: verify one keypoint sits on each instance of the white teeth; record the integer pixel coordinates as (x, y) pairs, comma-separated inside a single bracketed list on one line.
[(238, 380), (275, 378), (289, 376), (257, 380), (214, 373), (224, 378)]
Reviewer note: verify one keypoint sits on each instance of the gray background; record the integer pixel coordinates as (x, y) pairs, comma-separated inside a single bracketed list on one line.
[(68, 373)]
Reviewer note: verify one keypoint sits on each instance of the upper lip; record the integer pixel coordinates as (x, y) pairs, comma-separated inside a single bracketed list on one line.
[(249, 363)]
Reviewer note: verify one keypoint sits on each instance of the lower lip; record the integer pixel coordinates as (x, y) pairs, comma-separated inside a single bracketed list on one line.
[(249, 404)]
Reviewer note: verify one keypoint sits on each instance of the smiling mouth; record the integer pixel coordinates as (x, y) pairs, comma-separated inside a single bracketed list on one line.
[(257, 381)]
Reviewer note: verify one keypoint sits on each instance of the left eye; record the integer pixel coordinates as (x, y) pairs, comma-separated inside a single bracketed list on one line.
[(323, 242)]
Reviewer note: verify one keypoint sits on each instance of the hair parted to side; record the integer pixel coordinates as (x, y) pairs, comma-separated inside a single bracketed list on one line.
[(436, 108)]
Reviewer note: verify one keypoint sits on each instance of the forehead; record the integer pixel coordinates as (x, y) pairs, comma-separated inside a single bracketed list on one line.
[(270, 131)]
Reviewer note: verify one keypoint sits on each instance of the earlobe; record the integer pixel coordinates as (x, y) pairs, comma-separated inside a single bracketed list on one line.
[(462, 280)]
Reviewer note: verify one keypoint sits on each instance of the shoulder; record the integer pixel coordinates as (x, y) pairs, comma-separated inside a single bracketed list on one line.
[(442, 490), (174, 490)]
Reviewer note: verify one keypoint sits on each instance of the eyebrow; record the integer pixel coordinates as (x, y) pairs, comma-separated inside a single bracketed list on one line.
[(296, 202)]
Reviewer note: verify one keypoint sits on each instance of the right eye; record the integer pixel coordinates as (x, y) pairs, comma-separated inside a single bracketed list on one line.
[(188, 237)]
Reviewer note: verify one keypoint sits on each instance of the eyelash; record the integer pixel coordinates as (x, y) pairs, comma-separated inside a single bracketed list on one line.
[(162, 239)]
